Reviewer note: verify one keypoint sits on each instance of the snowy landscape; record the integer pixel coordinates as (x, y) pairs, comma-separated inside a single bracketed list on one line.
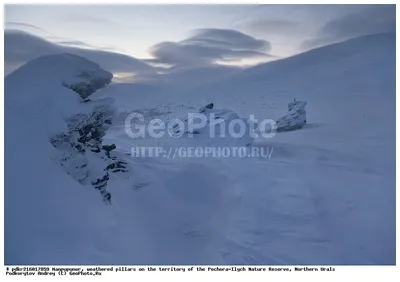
[(322, 194)]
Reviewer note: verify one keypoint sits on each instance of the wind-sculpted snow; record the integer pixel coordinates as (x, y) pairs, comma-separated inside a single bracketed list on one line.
[(42, 87), (216, 129), (294, 119), (77, 73)]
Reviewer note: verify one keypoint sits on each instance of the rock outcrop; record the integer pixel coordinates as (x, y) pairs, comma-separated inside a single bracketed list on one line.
[(75, 125), (295, 119)]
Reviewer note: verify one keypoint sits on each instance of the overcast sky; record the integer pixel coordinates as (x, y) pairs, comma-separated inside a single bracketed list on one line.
[(194, 35)]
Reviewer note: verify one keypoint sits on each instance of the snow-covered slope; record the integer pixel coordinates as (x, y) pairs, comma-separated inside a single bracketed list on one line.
[(328, 192), (352, 70), (41, 87), (326, 195)]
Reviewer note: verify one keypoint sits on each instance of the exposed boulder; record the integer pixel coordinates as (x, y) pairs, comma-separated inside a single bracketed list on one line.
[(295, 119), (87, 83), (206, 107)]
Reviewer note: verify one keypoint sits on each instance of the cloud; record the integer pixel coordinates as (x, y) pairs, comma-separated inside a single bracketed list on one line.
[(42, 33), (229, 38), (209, 46), (31, 29), (26, 25), (272, 27), (75, 43), (369, 19), (20, 47)]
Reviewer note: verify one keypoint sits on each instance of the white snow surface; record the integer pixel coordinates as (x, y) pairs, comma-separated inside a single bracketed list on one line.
[(326, 195)]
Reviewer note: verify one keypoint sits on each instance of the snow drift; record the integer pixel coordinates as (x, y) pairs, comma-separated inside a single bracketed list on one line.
[(216, 130)]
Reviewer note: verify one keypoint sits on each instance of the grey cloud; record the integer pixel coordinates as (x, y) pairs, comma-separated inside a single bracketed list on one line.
[(75, 43), (229, 38), (30, 28), (20, 47), (42, 33), (182, 54), (26, 25), (207, 46), (369, 19), (272, 27)]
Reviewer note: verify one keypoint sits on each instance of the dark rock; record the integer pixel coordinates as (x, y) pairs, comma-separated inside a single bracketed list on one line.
[(206, 107), (210, 106), (109, 148)]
